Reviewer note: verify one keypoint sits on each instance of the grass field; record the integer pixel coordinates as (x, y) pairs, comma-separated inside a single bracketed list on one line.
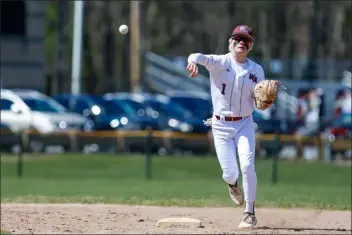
[(182, 181)]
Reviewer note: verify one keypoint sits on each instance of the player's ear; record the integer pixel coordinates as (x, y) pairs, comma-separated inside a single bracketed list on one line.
[(230, 44), (231, 41), (251, 46)]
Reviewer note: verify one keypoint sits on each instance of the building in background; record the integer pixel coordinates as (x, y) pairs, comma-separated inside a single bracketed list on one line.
[(22, 44)]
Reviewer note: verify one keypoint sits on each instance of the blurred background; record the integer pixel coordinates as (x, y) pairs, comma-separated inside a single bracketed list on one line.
[(75, 84)]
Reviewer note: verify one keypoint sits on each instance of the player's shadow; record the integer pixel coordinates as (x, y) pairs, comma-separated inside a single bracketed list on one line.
[(302, 229)]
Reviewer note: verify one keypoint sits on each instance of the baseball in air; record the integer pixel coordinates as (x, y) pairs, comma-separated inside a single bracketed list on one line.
[(123, 29)]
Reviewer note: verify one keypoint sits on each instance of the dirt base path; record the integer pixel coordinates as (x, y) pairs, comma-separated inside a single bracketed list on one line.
[(124, 219)]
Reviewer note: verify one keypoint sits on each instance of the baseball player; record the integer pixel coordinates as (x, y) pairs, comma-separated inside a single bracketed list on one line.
[(233, 79)]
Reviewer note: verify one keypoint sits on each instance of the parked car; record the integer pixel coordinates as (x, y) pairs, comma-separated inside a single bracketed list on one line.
[(107, 115), (135, 101), (199, 104), (170, 115), (16, 115), (138, 108), (29, 109), (22, 109)]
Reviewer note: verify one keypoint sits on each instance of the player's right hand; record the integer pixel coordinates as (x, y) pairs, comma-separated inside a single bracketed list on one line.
[(192, 68)]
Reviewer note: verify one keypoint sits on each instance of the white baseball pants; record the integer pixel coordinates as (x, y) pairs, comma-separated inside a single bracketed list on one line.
[(241, 134)]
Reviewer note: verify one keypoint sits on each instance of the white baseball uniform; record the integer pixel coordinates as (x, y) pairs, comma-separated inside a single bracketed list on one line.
[(232, 86)]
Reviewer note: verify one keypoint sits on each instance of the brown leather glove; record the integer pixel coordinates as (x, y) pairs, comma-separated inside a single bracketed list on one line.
[(265, 93)]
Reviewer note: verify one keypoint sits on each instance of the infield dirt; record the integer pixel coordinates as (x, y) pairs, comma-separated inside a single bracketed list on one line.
[(126, 219)]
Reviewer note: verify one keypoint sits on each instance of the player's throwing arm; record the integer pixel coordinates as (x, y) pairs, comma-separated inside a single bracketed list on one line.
[(210, 62)]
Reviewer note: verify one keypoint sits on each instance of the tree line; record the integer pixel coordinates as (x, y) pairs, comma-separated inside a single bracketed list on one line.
[(284, 30)]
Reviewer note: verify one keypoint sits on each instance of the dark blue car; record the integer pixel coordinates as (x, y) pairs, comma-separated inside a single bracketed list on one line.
[(106, 115), (169, 114), (198, 104)]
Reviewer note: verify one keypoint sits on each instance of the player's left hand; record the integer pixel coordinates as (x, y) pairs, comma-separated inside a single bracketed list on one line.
[(192, 68)]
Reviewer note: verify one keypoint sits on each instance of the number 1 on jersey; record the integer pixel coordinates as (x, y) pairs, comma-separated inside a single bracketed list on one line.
[(223, 88)]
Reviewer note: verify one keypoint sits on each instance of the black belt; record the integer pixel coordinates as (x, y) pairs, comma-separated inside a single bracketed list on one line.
[(230, 118)]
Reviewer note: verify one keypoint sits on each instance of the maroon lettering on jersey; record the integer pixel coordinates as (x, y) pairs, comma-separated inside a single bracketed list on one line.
[(253, 78)]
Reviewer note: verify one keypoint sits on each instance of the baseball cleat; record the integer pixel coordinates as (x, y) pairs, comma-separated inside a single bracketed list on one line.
[(248, 221), (236, 194)]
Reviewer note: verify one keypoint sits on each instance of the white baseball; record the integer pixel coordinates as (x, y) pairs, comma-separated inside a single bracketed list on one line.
[(123, 29)]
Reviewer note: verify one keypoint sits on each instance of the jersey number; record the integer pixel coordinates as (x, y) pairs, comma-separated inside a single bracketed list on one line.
[(223, 89)]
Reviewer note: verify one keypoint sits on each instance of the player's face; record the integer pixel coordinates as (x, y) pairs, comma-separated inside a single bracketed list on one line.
[(241, 44)]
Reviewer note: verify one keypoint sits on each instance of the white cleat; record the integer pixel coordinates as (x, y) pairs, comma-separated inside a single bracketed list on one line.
[(236, 195), (248, 221)]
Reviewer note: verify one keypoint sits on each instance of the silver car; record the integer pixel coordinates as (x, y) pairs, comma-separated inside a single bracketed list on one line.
[(31, 109)]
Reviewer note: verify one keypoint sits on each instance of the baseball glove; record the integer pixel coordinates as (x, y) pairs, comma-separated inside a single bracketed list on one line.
[(265, 93)]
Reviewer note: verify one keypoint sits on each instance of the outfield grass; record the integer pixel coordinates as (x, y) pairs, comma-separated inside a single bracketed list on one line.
[(4, 232), (182, 181)]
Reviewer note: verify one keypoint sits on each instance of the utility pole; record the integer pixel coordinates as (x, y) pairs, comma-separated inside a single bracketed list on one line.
[(77, 46), (135, 45)]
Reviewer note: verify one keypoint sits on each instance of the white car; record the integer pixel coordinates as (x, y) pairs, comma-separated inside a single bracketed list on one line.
[(23, 109)]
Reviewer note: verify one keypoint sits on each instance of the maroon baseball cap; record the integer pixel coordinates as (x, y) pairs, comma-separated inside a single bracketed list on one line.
[(243, 30)]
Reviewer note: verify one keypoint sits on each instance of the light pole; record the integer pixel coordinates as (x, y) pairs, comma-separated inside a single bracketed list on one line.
[(77, 47)]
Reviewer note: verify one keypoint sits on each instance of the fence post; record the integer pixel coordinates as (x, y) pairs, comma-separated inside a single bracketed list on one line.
[(148, 152), (299, 147), (73, 141), (326, 148), (275, 158), (20, 154)]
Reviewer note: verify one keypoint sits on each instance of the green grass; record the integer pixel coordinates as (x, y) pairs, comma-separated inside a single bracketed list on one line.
[(4, 232), (182, 181)]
